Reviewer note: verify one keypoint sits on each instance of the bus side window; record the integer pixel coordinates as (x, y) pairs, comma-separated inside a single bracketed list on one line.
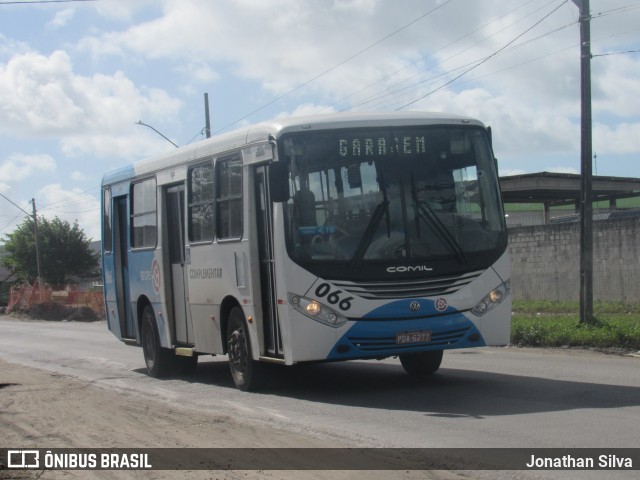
[(144, 221), (229, 198), (106, 220), (201, 226)]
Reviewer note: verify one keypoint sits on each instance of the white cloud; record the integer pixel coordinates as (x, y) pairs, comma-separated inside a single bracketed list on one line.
[(19, 167), (620, 139), (133, 145), (62, 18), (356, 7), (616, 86), (199, 71), (71, 205), (41, 96), (35, 94), (135, 58), (10, 47), (306, 39), (122, 10), (529, 93), (302, 40)]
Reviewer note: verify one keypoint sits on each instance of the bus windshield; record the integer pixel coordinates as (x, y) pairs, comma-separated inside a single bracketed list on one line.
[(366, 203)]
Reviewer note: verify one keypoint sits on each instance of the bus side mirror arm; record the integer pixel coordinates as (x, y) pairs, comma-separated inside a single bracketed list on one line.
[(279, 181)]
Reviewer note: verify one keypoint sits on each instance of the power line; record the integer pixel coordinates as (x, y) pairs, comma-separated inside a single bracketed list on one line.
[(376, 97), (413, 85), (485, 59), (94, 209), (79, 196), (14, 204), (424, 57), (605, 13), (11, 222), (615, 53), (531, 60), (339, 64), (201, 133), (398, 92), (41, 2)]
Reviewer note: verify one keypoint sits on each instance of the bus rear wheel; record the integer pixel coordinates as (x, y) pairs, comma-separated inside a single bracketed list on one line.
[(244, 369), (423, 363), (156, 358)]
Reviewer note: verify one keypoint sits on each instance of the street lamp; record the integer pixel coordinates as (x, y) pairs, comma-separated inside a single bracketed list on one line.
[(139, 122)]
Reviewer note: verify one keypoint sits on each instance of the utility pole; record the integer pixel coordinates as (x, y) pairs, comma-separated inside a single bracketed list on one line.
[(586, 191), (207, 123), (35, 233), (35, 229)]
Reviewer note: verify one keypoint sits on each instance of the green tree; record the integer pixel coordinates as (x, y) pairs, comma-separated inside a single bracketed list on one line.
[(64, 251)]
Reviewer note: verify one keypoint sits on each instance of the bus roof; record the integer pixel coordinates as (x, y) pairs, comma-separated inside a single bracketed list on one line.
[(262, 132)]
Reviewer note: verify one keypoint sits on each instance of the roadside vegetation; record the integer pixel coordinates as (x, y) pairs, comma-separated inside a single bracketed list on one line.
[(557, 324)]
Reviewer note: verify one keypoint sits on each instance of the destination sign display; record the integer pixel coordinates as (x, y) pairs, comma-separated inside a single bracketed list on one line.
[(379, 146)]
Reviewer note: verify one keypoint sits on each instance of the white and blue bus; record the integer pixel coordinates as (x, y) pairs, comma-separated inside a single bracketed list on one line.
[(323, 238)]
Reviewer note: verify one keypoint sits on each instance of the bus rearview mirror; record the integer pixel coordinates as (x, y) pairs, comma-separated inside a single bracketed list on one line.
[(279, 181)]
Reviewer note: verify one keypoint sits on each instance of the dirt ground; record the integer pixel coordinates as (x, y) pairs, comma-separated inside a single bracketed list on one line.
[(40, 409)]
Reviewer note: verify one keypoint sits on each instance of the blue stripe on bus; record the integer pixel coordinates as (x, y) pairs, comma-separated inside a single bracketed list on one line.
[(410, 308), (375, 335)]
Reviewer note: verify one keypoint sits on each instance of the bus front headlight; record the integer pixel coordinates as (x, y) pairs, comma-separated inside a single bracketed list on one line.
[(316, 310), (494, 298)]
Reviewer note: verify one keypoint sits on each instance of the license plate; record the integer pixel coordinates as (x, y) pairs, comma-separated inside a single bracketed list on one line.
[(422, 336)]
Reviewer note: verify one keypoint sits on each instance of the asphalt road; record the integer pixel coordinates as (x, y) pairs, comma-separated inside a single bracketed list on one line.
[(490, 397)]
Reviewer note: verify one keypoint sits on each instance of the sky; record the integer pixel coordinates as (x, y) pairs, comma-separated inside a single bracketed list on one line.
[(77, 76)]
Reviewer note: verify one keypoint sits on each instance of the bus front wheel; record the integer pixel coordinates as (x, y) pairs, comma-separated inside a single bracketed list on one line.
[(156, 358), (423, 363), (244, 369)]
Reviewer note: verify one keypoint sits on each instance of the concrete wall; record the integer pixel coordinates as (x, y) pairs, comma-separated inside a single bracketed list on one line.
[(545, 261)]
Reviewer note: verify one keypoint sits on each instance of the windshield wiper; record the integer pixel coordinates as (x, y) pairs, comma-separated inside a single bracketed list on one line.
[(367, 237), (426, 213), (442, 232)]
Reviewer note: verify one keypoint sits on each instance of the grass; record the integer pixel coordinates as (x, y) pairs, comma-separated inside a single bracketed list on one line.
[(557, 324)]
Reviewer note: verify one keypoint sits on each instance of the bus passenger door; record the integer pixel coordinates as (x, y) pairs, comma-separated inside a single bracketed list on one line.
[(121, 271), (174, 201), (273, 340)]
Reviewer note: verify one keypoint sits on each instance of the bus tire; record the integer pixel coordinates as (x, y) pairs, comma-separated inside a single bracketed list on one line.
[(244, 369), (423, 363), (156, 358)]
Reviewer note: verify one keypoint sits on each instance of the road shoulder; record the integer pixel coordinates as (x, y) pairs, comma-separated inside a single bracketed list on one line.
[(40, 409)]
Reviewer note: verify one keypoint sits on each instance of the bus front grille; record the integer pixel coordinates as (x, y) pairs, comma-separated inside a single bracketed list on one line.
[(384, 343), (428, 287)]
